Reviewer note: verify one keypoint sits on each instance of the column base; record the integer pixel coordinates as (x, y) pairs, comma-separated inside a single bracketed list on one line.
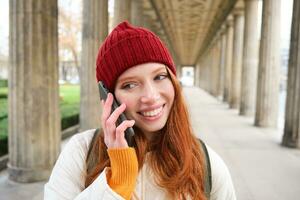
[(289, 141), (23, 175), (290, 144), (246, 112)]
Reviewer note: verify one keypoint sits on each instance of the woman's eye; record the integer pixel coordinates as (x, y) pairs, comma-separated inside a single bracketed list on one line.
[(161, 76), (128, 86)]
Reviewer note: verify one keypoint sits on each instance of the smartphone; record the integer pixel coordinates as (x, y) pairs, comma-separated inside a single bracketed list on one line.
[(129, 132)]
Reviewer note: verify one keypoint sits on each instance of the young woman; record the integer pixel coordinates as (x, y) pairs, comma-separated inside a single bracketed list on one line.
[(166, 160)]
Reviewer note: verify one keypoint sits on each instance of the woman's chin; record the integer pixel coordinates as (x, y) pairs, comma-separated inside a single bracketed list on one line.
[(150, 129)]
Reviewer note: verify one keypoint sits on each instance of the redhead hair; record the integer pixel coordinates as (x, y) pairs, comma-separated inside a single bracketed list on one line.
[(176, 157)]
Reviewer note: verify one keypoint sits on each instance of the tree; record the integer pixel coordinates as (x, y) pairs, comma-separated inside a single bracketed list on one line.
[(69, 29)]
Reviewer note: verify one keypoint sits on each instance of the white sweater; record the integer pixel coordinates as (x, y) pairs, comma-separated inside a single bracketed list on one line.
[(68, 177)]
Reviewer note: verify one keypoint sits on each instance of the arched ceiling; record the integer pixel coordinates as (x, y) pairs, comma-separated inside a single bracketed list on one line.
[(186, 24)]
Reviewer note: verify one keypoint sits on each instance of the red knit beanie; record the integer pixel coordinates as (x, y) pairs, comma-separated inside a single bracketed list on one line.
[(125, 47)]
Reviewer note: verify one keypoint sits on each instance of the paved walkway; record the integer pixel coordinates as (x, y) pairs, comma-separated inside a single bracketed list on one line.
[(261, 169)]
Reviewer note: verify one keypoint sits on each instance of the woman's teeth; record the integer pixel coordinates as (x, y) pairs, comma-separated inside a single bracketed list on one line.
[(152, 113)]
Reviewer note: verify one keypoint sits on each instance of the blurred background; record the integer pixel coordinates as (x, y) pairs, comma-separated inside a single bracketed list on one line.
[(232, 59)]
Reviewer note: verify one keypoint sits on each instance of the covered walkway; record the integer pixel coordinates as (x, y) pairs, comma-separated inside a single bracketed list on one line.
[(261, 168), (233, 59)]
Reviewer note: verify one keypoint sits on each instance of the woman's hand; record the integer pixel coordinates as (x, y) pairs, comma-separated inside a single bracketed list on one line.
[(114, 137)]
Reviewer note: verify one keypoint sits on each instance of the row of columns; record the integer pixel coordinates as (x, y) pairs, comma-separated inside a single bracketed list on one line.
[(248, 69), (34, 116), (34, 121)]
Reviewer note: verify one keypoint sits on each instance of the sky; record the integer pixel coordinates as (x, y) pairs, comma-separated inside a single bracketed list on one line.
[(74, 6), (4, 27)]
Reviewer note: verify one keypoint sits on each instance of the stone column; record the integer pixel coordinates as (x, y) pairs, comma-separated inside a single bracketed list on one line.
[(292, 109), (33, 111), (237, 58), (222, 62), (228, 64), (216, 59), (122, 11), (250, 59), (269, 61), (213, 67), (94, 31), (202, 72), (196, 75), (206, 74), (137, 14), (210, 70)]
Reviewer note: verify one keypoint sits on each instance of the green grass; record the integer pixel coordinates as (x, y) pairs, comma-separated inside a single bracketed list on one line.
[(3, 128), (3, 108), (69, 100), (69, 107), (3, 90)]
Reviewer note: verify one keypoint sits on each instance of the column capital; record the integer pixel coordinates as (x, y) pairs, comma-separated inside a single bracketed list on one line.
[(229, 20), (240, 4), (223, 29), (239, 9), (218, 34)]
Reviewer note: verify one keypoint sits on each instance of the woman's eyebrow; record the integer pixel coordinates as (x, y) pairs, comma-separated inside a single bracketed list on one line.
[(126, 78), (132, 77), (159, 69)]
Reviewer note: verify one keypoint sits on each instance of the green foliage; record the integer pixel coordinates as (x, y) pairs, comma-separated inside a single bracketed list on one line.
[(3, 108), (69, 110), (69, 105), (3, 146), (3, 128), (69, 121), (3, 137), (3, 83), (3, 92)]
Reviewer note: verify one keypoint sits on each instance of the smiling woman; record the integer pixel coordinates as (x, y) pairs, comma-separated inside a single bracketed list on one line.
[(166, 160), (148, 93)]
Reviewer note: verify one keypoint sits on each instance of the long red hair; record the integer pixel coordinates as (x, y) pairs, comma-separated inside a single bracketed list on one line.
[(176, 157)]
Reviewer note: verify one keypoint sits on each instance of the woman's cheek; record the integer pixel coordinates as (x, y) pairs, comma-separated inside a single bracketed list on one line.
[(125, 99), (129, 110), (129, 105)]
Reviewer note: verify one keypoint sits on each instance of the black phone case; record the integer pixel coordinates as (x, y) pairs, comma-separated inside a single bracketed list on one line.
[(129, 132)]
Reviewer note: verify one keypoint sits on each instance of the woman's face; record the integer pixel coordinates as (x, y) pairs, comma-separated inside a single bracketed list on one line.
[(148, 93)]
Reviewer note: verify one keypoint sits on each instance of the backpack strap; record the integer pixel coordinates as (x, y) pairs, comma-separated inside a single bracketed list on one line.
[(90, 162), (208, 178)]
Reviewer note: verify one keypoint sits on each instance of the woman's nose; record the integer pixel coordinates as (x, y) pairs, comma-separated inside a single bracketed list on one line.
[(150, 94)]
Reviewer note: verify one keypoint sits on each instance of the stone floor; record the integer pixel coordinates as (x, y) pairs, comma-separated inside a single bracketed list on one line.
[(261, 169)]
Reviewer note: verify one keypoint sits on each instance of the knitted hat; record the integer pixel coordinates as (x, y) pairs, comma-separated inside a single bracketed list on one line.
[(125, 47)]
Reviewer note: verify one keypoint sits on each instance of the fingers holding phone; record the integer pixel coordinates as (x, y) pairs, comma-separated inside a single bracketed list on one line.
[(114, 137)]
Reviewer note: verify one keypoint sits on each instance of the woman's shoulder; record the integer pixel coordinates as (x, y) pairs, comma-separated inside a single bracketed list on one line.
[(215, 158), (82, 139), (78, 145), (70, 169), (222, 185), (218, 167)]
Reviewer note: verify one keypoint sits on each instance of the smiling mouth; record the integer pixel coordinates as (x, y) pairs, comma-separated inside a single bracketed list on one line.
[(152, 113)]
